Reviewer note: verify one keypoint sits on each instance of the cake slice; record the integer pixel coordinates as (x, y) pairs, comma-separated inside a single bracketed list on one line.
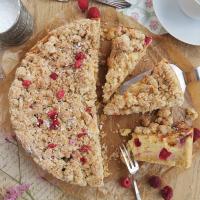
[(128, 47), (173, 149), (161, 140), (160, 89), (52, 103)]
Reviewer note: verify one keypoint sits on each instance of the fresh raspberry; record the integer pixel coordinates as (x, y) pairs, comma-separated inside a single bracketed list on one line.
[(83, 160), (196, 135), (26, 83), (54, 76), (167, 193), (148, 40), (78, 63), (154, 181), (52, 114), (39, 122), (93, 13), (54, 124), (137, 142), (80, 56), (125, 182), (60, 94), (51, 145), (164, 154), (85, 148), (83, 4)]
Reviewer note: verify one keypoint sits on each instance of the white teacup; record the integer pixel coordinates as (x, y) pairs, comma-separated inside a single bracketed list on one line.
[(191, 8)]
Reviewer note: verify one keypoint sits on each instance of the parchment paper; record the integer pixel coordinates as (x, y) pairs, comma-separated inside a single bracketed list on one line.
[(10, 59)]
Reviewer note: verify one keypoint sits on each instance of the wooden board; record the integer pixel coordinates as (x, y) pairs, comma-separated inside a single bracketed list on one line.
[(164, 46)]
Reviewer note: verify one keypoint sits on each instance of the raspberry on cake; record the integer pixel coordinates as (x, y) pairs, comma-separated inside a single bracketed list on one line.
[(128, 47), (52, 103), (160, 89)]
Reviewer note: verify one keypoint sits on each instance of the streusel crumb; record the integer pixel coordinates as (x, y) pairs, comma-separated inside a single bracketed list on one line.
[(124, 132)]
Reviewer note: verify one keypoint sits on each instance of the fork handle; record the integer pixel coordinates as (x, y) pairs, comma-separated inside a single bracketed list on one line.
[(137, 193)]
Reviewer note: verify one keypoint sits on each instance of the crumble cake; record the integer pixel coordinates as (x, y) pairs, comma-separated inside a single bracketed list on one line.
[(52, 103), (128, 47), (160, 89), (162, 141)]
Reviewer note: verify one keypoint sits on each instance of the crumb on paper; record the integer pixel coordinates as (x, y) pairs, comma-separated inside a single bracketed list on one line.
[(103, 134), (115, 155), (118, 125), (125, 132), (103, 118)]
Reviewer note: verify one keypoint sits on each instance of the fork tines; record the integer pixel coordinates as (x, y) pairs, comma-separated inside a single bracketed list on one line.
[(131, 165), (116, 3)]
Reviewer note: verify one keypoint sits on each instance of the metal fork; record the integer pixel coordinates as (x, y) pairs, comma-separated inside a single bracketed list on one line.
[(116, 3), (133, 167)]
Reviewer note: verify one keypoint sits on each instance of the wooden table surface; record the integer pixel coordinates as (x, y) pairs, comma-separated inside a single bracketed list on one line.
[(187, 184)]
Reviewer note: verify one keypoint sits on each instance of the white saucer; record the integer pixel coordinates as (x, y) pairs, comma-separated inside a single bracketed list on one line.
[(176, 23)]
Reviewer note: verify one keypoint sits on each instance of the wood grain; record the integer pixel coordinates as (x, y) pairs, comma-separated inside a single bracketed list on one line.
[(186, 184)]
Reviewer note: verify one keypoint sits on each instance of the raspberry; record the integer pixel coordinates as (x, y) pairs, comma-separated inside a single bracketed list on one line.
[(167, 193), (93, 13), (88, 109), (85, 148), (78, 63), (80, 56), (26, 83), (39, 122), (164, 154), (83, 4), (83, 160), (54, 124), (53, 76), (52, 114), (137, 142), (196, 134), (60, 94), (82, 133), (125, 182), (148, 40), (154, 181), (51, 145)]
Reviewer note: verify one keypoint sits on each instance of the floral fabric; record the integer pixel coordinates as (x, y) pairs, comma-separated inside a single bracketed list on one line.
[(143, 12)]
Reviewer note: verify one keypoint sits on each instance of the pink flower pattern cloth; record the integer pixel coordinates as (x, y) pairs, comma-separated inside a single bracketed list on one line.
[(143, 12)]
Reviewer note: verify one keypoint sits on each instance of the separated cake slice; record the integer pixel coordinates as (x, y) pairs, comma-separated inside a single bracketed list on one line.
[(159, 89), (173, 149), (163, 141), (52, 103), (128, 47)]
